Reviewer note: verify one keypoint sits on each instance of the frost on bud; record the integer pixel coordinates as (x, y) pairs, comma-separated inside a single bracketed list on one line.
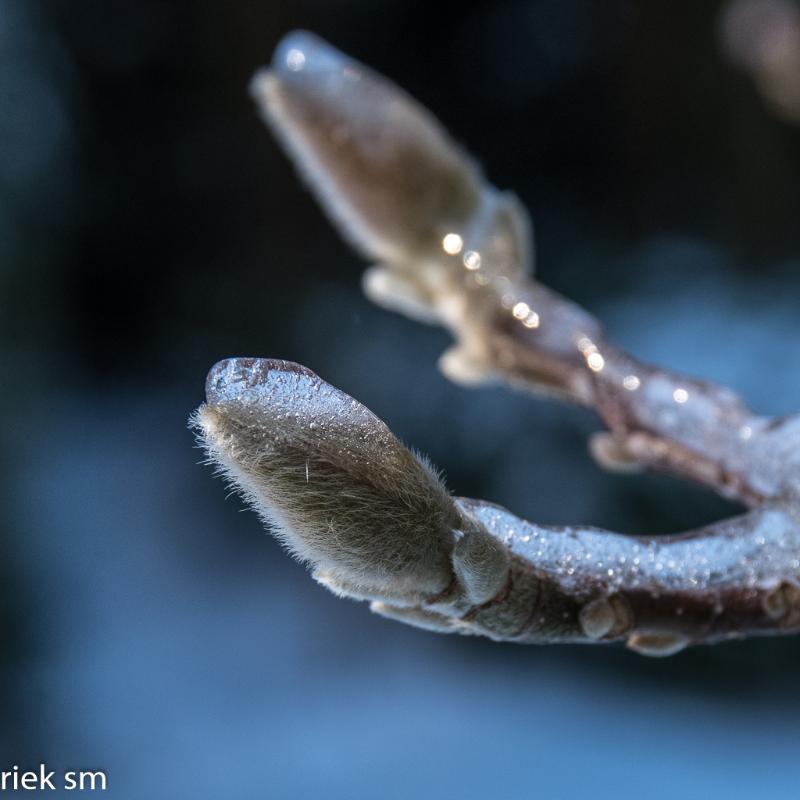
[(381, 165), (334, 484)]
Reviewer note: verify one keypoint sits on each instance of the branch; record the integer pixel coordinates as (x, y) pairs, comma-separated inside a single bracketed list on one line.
[(374, 522)]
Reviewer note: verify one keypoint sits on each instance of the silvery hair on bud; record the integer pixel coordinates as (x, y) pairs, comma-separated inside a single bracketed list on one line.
[(332, 482)]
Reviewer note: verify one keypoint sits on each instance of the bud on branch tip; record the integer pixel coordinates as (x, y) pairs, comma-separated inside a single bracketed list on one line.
[(373, 519)]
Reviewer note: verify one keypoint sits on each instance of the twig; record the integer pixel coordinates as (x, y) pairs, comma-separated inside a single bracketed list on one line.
[(376, 524), (453, 249)]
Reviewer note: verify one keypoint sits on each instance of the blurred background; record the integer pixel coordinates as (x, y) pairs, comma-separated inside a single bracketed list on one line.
[(149, 226)]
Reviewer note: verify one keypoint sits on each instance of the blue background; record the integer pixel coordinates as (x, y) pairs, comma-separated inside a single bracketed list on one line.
[(150, 226)]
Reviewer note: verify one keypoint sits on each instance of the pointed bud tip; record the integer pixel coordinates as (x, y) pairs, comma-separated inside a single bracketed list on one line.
[(301, 51), (298, 56), (236, 380)]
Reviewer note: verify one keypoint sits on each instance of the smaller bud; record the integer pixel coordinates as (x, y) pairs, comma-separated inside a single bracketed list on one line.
[(481, 564), (380, 164), (610, 453), (606, 616), (782, 602), (657, 644)]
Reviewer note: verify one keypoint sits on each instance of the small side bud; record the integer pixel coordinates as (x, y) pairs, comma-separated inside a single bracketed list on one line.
[(657, 644), (611, 454), (597, 618), (390, 288), (459, 364), (481, 564), (605, 616), (783, 602)]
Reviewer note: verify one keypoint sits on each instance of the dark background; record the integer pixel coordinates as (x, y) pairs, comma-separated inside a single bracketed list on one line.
[(149, 226)]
